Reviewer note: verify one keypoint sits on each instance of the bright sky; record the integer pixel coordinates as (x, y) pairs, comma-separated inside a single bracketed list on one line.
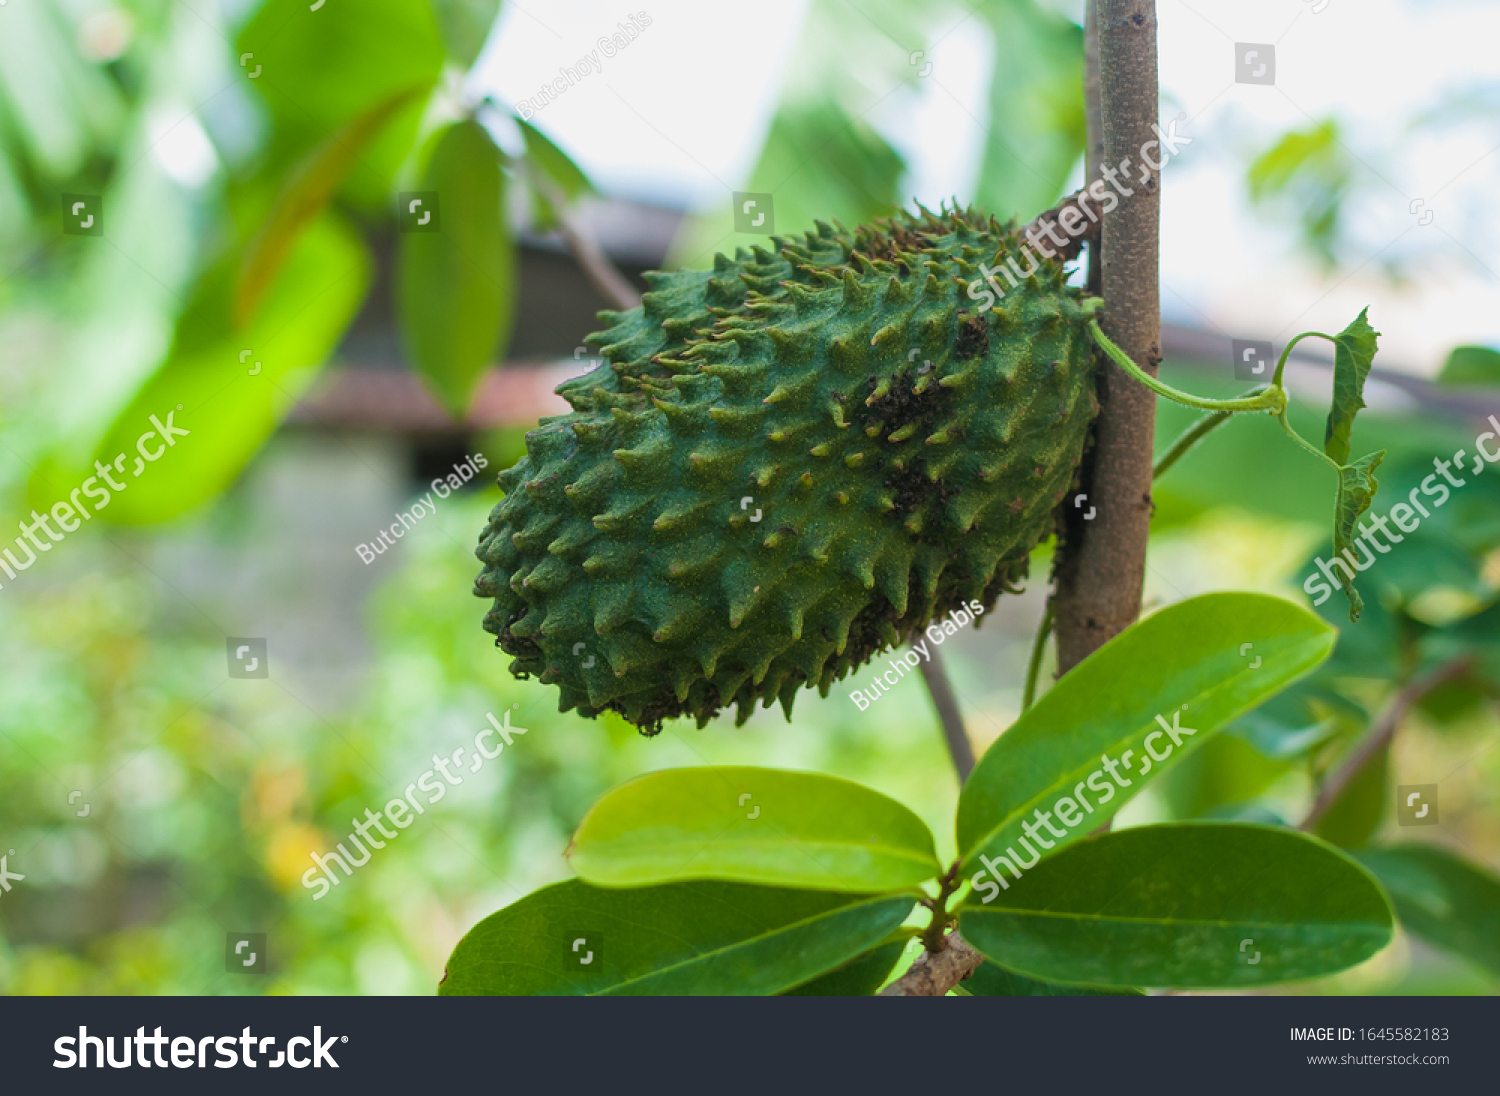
[(676, 117)]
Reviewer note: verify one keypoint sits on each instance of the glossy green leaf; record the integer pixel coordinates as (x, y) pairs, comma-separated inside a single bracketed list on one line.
[(1442, 898), (465, 24), (1353, 354), (1471, 365), (1196, 904), (456, 287), (992, 980), (304, 195), (860, 977), (1156, 690), (750, 825), (230, 388), (683, 938), (1357, 487)]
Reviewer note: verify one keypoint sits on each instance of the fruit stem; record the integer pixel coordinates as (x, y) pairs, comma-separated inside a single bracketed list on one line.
[(1272, 399)]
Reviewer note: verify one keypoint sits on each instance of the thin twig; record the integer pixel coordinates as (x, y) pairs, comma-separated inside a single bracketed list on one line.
[(1379, 736), (933, 974), (596, 265), (943, 699), (1034, 666)]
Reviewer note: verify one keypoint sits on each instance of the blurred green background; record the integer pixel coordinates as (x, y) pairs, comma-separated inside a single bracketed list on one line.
[(329, 366)]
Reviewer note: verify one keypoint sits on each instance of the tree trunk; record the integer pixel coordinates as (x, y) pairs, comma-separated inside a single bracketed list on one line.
[(1102, 565)]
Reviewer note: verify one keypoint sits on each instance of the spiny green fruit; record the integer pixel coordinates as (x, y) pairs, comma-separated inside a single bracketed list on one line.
[(785, 465)]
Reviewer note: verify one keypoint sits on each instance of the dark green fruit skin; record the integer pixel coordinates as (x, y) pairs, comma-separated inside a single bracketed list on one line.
[(905, 452)]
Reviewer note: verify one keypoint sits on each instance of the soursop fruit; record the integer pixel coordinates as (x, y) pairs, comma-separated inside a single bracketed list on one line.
[(787, 463)]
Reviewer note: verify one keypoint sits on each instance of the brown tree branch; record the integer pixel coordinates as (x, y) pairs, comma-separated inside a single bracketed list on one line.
[(933, 974), (1101, 567), (1379, 735), (943, 699), (586, 252)]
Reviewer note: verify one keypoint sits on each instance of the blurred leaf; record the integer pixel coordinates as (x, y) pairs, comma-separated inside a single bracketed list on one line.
[(683, 938), (1478, 635), (1035, 132), (1471, 365), (229, 410), (1357, 487), (304, 195), (456, 287), (859, 977), (821, 163), (559, 175), (1453, 701), (1185, 662), (1311, 173), (751, 825), (1175, 906), (322, 69), (1443, 899), (821, 158), (992, 980), (1297, 720), (1356, 814), (554, 162), (1220, 777), (55, 104), (1353, 354), (465, 24)]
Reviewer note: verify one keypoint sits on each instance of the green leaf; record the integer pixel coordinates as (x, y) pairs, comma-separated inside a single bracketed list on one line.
[(1353, 354), (554, 163), (319, 70), (992, 980), (1182, 666), (1356, 814), (1036, 129), (465, 24), (229, 410), (1471, 365), (1442, 898), (1357, 487), (683, 938), (859, 977), (750, 825), (456, 287), (305, 193), (1196, 904), (1312, 172)]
